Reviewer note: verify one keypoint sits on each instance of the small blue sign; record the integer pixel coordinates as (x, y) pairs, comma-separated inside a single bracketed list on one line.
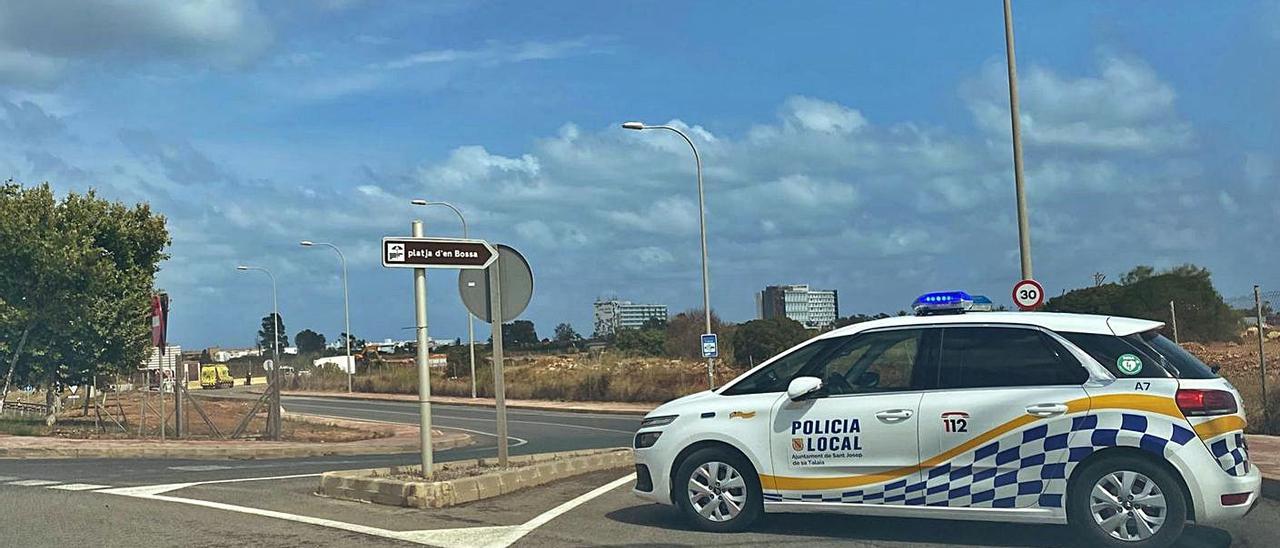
[(710, 347)]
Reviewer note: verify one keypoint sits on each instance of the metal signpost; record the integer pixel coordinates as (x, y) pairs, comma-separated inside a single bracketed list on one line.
[(421, 253), (499, 294)]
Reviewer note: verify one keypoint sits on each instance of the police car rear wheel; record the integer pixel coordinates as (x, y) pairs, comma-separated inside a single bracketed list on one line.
[(718, 491), (1127, 501)]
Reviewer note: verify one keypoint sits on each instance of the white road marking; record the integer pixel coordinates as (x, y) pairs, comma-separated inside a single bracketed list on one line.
[(7, 478), (202, 468), (488, 537), (34, 483), (363, 404), (486, 419), (518, 441), (79, 487)]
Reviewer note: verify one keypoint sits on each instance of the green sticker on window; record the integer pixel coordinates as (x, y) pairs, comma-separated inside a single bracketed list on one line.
[(1129, 364)]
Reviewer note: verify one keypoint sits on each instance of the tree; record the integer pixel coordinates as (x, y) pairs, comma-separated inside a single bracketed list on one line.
[(309, 342), (519, 333), (565, 333), (759, 340), (645, 341), (684, 335), (76, 281), (267, 333), (1143, 293)]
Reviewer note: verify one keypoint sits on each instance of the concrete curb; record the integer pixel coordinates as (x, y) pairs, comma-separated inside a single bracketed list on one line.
[(374, 485), (218, 450), (463, 402)]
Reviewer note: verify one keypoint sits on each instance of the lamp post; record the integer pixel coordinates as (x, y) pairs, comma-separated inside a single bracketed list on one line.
[(273, 414), (1024, 230), (346, 307), (702, 225), (471, 333)]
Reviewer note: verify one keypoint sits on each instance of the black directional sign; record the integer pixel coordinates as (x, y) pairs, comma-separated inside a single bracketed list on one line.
[(408, 252)]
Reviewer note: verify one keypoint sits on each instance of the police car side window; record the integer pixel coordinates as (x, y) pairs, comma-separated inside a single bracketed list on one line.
[(879, 361), (776, 376), (977, 357)]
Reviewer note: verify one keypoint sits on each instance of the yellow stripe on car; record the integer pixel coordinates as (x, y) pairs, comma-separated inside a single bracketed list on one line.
[(1219, 426), (1136, 402)]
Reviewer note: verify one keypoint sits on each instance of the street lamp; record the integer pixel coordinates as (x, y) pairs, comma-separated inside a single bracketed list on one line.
[(471, 334), (702, 224), (346, 306), (273, 414)]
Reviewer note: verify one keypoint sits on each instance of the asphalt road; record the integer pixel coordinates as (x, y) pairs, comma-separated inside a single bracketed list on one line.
[(65, 502)]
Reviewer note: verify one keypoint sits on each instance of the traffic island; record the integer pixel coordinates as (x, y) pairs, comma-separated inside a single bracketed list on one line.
[(460, 482)]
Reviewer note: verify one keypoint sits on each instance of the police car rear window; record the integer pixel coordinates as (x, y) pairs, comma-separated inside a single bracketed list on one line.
[(1187, 364), (1114, 352)]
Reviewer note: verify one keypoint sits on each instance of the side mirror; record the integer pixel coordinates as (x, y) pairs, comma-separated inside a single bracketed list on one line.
[(802, 387)]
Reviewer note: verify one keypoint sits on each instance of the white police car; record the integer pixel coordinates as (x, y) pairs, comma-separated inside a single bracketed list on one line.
[(1029, 417)]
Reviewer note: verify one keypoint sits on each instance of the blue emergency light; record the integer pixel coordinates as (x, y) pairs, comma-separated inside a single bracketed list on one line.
[(942, 302)]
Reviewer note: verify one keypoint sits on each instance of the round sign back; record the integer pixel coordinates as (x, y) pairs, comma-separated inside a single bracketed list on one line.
[(1028, 294), (516, 285)]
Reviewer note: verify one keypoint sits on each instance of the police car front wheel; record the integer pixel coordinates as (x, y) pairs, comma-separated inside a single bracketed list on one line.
[(718, 491), (1127, 501)]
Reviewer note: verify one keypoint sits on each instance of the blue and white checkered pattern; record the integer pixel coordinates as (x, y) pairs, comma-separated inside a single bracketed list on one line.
[(1232, 453), (1025, 468)]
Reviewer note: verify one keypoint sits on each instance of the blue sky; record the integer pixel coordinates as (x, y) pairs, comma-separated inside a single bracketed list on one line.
[(861, 146)]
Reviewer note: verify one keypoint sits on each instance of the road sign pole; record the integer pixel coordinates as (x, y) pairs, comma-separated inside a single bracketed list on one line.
[(499, 386), (471, 338), (424, 350)]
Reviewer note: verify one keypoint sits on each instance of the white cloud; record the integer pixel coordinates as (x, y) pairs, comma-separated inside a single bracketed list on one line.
[(496, 53), (1126, 108), (39, 40), (823, 116)]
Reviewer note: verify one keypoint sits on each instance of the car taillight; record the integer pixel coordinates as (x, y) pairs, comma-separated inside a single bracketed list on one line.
[(1199, 403)]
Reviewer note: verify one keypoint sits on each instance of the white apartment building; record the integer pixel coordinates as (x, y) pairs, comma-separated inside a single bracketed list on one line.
[(814, 308), (612, 315)]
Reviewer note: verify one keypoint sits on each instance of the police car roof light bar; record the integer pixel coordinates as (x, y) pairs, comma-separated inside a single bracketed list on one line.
[(942, 302)]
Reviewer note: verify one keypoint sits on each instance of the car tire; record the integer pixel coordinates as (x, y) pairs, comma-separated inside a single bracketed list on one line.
[(1138, 504), (718, 491)]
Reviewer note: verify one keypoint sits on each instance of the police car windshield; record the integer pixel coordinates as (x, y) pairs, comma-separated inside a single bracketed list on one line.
[(1176, 359)]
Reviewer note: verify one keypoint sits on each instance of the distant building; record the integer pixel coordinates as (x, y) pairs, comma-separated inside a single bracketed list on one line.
[(813, 308), (224, 355), (169, 360), (612, 315)]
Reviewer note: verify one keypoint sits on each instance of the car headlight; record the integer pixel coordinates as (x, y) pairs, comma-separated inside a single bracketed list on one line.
[(646, 439), (662, 420)]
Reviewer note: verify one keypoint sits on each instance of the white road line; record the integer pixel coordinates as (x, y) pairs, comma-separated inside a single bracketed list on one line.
[(34, 483), (150, 490), (485, 419), (518, 443), (7, 478), (528, 526), (361, 404), (79, 487), (489, 537)]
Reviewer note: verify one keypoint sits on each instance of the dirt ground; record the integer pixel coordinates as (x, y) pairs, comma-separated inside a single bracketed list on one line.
[(140, 411), (1239, 362)]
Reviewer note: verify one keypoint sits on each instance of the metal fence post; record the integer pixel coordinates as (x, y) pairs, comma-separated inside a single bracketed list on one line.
[(1262, 362)]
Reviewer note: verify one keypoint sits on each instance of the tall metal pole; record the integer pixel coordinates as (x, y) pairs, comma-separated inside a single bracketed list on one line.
[(1024, 231), (499, 385), (346, 308), (702, 227), (274, 415), (1262, 362), (424, 362), (273, 412), (471, 324), (1173, 317)]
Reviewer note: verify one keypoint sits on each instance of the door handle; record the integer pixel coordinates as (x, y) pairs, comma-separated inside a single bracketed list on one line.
[(1047, 409), (894, 415)]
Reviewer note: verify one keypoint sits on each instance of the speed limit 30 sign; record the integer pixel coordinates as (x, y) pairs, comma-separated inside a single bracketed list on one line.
[(1028, 294)]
